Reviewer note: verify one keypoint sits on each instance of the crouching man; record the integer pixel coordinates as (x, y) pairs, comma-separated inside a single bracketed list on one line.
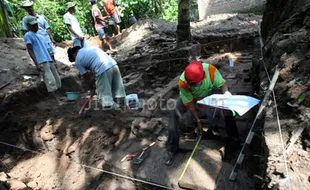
[(108, 82), (196, 83), (37, 49)]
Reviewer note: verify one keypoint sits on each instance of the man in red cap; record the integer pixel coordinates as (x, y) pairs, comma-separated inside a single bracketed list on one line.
[(195, 83)]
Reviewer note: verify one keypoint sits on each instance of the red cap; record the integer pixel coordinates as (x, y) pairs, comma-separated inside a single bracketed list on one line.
[(194, 72)]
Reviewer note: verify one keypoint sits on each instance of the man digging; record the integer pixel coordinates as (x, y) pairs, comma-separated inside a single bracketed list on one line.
[(37, 50), (197, 82), (108, 82)]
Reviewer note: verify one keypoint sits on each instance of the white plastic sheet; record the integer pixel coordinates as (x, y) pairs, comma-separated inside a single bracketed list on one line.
[(238, 103)]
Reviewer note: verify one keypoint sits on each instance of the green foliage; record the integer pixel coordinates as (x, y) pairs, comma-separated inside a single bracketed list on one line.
[(140, 9), (165, 9), (15, 15), (4, 25), (53, 12), (171, 10)]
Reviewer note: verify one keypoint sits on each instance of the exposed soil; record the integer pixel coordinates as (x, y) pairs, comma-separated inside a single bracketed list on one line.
[(57, 146), (63, 137), (286, 45), (66, 144)]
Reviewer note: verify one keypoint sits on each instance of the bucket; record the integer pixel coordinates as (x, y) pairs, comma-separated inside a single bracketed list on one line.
[(71, 96), (132, 101)]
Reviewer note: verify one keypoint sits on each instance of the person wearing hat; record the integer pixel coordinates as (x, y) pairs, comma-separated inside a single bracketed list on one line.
[(73, 26), (110, 7), (108, 83), (100, 25), (44, 28), (37, 50), (195, 83)]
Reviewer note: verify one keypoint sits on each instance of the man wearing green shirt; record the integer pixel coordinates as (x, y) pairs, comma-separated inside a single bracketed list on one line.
[(196, 82)]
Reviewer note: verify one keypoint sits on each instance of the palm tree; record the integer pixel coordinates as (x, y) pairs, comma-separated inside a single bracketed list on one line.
[(183, 28)]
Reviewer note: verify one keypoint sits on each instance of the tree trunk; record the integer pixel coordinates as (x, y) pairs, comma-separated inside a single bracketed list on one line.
[(183, 28), (203, 8), (5, 29)]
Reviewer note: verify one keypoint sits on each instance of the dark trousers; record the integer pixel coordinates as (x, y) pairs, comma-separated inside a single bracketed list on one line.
[(176, 123)]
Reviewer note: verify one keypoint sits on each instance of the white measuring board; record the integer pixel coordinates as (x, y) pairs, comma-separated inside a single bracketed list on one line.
[(238, 103)]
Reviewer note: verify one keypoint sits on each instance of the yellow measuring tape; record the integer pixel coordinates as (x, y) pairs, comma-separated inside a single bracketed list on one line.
[(190, 158)]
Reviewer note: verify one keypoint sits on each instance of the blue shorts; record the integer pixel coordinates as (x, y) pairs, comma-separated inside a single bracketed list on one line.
[(102, 33)]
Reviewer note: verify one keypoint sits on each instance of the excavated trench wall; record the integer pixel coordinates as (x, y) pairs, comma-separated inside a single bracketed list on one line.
[(285, 34), (213, 44)]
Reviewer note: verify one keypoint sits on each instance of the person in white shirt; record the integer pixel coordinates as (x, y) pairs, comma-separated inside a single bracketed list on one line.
[(74, 28), (44, 28)]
